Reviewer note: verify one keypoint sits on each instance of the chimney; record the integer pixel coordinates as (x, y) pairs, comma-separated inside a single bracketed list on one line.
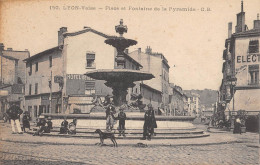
[(241, 27), (257, 22), (139, 50), (126, 51), (229, 29), (148, 50), (10, 49), (139, 54), (2, 46), (60, 35)]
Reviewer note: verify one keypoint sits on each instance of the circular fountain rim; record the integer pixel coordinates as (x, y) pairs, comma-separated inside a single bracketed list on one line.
[(125, 73)]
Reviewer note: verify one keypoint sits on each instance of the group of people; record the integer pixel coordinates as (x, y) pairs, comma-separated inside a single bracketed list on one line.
[(149, 121), (45, 124), (68, 128)]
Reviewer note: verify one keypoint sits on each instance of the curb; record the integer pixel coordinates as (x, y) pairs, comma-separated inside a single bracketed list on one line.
[(124, 144)]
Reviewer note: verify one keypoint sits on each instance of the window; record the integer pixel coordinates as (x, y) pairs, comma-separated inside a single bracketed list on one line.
[(253, 46), (30, 71), (36, 67), (254, 74), (36, 88), (50, 61), (30, 89), (90, 87), (90, 57)]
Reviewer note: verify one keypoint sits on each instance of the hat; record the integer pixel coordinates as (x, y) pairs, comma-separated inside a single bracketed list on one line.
[(49, 118)]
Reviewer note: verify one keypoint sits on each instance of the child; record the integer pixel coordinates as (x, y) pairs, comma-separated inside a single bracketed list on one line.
[(26, 122), (48, 128), (64, 126), (72, 126), (121, 117)]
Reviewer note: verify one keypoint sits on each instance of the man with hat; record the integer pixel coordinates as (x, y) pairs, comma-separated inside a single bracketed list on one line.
[(110, 118), (121, 117), (14, 113), (149, 123)]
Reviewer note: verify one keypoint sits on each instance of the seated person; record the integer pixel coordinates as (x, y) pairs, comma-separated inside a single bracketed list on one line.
[(40, 123), (72, 126), (49, 125), (44, 126), (26, 121), (64, 126)]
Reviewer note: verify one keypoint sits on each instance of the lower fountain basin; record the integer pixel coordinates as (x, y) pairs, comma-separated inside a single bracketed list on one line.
[(135, 120)]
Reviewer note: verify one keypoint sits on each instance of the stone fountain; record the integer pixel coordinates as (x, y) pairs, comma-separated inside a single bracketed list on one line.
[(120, 79)]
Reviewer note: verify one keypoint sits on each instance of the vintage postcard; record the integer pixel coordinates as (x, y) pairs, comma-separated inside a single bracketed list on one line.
[(129, 82)]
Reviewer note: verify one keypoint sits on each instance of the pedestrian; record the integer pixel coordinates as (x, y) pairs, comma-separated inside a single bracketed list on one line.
[(72, 126), (26, 121), (14, 113), (237, 126), (64, 126), (41, 124), (121, 117), (48, 127), (110, 118), (149, 123)]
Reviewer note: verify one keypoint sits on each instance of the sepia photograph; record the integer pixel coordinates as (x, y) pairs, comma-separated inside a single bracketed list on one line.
[(129, 82)]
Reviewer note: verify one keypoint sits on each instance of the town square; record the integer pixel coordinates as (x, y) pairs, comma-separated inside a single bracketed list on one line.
[(127, 83)]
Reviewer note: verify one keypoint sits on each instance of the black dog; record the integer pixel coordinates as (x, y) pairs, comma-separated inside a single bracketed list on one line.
[(105, 135)]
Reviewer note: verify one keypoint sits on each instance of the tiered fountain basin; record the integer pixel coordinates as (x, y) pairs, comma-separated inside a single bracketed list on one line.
[(134, 121), (169, 127)]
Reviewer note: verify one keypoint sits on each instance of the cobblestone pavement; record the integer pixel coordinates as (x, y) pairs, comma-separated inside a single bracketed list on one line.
[(26, 153), (18, 152)]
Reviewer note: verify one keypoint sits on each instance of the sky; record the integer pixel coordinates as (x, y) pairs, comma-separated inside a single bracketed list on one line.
[(192, 41)]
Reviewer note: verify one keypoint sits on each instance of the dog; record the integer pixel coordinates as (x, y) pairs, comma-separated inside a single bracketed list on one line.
[(106, 135)]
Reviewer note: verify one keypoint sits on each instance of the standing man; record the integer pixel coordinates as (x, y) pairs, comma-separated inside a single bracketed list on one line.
[(110, 118), (149, 123), (14, 113), (121, 117)]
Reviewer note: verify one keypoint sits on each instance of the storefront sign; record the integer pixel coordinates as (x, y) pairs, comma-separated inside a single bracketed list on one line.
[(77, 77), (252, 58)]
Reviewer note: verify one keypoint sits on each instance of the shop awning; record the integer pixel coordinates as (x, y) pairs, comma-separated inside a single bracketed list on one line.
[(80, 100)]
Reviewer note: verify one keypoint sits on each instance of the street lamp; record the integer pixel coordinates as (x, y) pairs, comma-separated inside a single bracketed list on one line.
[(233, 84)]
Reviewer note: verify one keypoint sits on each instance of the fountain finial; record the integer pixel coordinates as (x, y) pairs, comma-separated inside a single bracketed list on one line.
[(121, 29)]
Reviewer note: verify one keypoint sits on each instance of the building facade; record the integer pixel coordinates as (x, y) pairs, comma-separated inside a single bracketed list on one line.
[(158, 87), (178, 101), (193, 104), (12, 77), (240, 89), (56, 80)]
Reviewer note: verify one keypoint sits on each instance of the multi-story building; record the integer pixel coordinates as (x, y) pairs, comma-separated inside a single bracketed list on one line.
[(193, 103), (178, 101), (56, 80), (156, 64), (12, 77), (240, 89)]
